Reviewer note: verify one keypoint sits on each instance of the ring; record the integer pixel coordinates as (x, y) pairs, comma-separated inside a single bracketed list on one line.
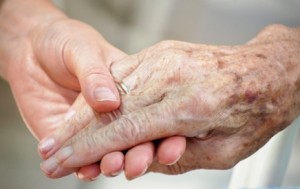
[(122, 87)]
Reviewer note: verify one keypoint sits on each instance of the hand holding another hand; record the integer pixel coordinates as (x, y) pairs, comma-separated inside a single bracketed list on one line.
[(48, 59), (226, 101)]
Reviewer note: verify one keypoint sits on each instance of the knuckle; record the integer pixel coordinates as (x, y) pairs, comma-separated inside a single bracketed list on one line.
[(193, 104), (276, 27), (276, 31), (127, 129), (86, 142), (166, 44)]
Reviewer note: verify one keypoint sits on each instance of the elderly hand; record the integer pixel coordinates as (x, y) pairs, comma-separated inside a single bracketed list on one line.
[(227, 102)]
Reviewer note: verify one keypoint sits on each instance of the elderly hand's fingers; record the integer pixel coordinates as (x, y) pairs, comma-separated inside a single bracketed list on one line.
[(75, 120), (112, 164), (127, 131), (138, 159), (51, 169), (170, 150)]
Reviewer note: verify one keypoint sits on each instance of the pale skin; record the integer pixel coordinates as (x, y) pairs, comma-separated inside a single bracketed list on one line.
[(226, 101), (49, 59)]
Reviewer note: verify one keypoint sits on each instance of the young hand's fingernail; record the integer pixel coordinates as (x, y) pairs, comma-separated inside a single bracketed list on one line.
[(64, 153), (93, 179), (69, 114), (104, 94), (83, 178), (116, 173), (46, 145), (50, 165), (175, 161), (142, 173)]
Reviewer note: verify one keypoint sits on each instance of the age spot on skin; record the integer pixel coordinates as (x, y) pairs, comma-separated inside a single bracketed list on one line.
[(221, 64), (261, 56), (237, 78), (246, 145)]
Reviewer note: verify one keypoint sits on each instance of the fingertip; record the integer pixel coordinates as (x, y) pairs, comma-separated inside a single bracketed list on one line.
[(45, 146), (102, 96), (138, 159), (88, 173), (171, 149), (112, 164), (57, 172)]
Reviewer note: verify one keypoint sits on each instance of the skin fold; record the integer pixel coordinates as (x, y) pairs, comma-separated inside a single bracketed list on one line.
[(227, 101)]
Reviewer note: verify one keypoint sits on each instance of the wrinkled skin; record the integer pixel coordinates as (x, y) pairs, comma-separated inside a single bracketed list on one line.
[(226, 101)]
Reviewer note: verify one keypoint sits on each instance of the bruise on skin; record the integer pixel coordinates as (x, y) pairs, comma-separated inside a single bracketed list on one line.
[(250, 96)]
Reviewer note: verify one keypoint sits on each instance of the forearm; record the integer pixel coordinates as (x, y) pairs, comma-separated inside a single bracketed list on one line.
[(18, 18)]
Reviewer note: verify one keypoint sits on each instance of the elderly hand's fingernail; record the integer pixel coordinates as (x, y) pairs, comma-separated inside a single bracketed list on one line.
[(104, 94), (46, 145), (64, 153), (50, 165)]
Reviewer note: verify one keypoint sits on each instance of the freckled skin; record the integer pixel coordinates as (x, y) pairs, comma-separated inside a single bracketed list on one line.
[(240, 95)]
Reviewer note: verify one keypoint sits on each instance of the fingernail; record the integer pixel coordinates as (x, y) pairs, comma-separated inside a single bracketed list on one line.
[(142, 173), (64, 153), (46, 145), (69, 114), (83, 178), (176, 160), (93, 179), (116, 173), (50, 165), (104, 94)]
